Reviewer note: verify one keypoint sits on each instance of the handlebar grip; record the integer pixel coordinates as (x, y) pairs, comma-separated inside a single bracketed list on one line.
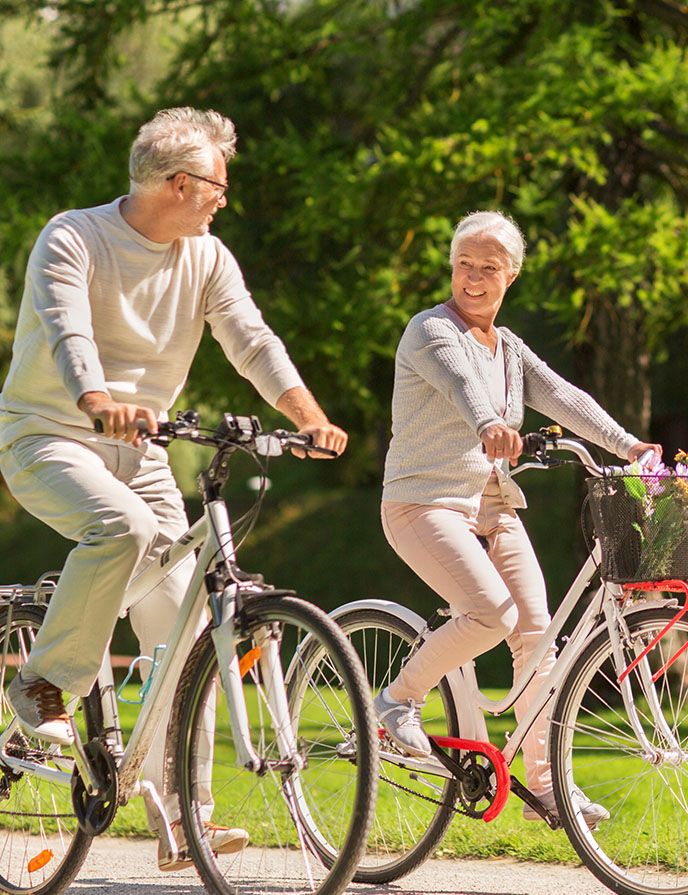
[(305, 440), (321, 450), (140, 425), (648, 459)]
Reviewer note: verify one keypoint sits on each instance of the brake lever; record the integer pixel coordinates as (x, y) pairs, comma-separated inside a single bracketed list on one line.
[(327, 452)]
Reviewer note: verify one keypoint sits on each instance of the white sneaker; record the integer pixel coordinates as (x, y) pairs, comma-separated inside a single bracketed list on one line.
[(593, 813), (223, 841), (402, 722)]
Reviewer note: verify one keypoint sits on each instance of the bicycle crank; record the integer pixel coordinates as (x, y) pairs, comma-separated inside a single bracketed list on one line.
[(481, 772), (95, 811)]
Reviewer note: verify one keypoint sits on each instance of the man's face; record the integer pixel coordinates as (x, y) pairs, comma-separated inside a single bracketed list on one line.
[(203, 199)]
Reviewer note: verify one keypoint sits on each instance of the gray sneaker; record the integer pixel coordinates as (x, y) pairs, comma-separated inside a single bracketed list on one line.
[(593, 813), (401, 720), (40, 710)]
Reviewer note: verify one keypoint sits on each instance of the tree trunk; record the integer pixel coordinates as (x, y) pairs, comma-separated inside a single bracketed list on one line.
[(612, 364)]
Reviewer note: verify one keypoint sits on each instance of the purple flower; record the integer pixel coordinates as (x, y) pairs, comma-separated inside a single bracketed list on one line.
[(654, 479)]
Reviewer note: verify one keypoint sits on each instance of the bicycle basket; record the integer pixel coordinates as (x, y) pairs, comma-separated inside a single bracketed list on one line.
[(642, 526)]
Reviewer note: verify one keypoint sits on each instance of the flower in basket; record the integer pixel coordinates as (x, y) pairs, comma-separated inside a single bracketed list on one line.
[(662, 524)]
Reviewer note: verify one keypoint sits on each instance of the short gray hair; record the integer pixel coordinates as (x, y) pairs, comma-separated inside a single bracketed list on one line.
[(176, 140), (497, 226)]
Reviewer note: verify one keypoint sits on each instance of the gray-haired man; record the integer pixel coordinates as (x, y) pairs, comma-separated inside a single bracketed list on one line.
[(115, 302)]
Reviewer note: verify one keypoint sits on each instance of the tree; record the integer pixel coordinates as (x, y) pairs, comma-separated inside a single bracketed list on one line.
[(367, 128)]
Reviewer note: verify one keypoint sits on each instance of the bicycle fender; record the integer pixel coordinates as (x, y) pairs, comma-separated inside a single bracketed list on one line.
[(630, 610), (471, 719)]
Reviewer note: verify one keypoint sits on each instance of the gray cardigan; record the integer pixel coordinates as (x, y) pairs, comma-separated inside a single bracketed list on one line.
[(441, 405)]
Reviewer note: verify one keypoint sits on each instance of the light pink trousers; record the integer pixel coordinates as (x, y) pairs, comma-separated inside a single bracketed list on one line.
[(496, 594), (123, 508)]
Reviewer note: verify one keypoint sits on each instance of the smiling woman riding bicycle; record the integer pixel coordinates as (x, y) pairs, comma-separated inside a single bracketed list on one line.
[(461, 385)]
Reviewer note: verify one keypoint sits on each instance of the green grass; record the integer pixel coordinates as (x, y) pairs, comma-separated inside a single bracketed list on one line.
[(508, 835)]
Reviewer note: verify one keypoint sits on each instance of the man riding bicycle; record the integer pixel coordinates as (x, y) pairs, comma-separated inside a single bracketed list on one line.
[(115, 302)]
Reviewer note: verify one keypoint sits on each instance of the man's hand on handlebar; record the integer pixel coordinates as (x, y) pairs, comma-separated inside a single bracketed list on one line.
[(299, 406), (500, 441), (324, 435), (116, 419)]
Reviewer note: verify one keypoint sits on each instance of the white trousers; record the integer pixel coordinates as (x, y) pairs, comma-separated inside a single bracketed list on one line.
[(495, 594), (122, 506)]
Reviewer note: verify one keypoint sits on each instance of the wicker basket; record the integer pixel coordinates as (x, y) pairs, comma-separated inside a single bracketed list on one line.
[(642, 525)]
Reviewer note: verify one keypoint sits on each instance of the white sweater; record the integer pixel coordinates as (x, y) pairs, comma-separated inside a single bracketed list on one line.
[(441, 404), (105, 309)]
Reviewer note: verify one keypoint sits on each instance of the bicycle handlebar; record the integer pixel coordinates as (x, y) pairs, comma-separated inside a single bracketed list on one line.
[(233, 431), (537, 444)]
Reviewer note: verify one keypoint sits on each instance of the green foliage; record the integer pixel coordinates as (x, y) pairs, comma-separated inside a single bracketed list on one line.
[(366, 129)]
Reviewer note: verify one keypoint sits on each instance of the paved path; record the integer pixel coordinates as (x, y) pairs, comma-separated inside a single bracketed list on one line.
[(128, 867)]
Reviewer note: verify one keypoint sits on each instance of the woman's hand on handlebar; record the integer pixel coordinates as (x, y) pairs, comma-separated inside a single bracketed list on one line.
[(116, 419), (500, 441), (642, 447)]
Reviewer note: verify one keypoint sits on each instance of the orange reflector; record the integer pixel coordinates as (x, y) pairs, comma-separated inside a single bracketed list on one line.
[(40, 860), (247, 662)]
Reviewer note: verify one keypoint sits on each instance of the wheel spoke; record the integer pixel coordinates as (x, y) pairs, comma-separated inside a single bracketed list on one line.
[(642, 847), (36, 814), (413, 812), (305, 813)]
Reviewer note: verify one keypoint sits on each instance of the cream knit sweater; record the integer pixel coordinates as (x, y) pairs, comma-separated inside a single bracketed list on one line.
[(441, 405), (105, 309)]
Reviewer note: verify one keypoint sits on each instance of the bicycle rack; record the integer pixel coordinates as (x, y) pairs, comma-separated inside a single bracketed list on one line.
[(673, 586)]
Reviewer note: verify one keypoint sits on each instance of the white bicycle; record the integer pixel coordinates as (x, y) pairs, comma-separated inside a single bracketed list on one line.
[(292, 757), (617, 700)]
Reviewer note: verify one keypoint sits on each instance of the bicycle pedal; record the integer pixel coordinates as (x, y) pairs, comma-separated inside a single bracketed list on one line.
[(168, 862), (533, 802)]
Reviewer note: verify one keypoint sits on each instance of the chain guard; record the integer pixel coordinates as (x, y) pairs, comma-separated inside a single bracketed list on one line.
[(475, 782), (95, 813)]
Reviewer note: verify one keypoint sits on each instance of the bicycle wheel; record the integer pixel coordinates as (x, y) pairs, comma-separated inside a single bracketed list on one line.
[(414, 810), (642, 849), (41, 844), (289, 813)]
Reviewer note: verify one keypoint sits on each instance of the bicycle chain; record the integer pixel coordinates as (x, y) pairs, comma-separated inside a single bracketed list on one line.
[(455, 808), (26, 814)]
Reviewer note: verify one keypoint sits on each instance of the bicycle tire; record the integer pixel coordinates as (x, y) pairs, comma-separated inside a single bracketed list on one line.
[(337, 793), (407, 827), (42, 847), (642, 848)]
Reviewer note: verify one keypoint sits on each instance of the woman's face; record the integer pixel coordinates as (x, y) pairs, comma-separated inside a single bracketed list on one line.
[(482, 274)]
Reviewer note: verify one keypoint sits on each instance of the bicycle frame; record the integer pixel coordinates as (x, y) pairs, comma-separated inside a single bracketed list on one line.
[(211, 538)]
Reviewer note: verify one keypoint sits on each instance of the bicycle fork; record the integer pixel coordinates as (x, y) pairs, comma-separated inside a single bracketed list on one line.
[(619, 634), (267, 653)]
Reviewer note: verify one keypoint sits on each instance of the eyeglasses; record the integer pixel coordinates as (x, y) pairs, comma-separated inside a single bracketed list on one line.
[(222, 187)]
